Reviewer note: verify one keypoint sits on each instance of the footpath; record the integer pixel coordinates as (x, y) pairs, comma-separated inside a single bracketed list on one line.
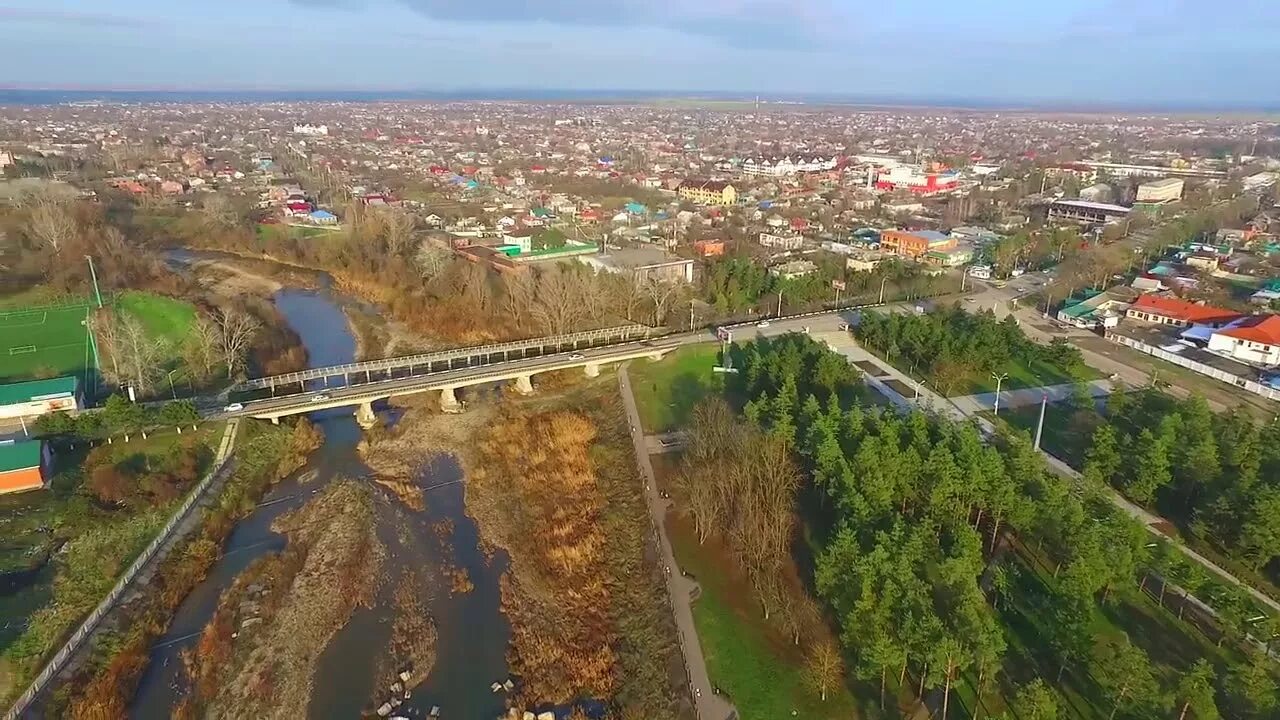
[(681, 589)]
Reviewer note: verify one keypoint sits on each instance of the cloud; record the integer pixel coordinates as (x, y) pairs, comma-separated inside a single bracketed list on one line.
[(71, 17), (772, 24)]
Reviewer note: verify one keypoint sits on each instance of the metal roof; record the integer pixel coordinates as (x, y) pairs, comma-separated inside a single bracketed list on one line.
[(25, 392), (19, 455)]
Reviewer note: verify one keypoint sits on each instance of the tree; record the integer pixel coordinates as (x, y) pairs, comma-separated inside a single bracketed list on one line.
[(1251, 688), (432, 258), (219, 212), (1195, 692), (1102, 460), (1124, 672), (397, 230), (1036, 701), (52, 222), (236, 331), (203, 345), (1150, 469), (825, 668), (559, 306), (1260, 534)]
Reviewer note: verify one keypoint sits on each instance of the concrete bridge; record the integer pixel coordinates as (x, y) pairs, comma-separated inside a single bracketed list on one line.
[(447, 382), (410, 366)]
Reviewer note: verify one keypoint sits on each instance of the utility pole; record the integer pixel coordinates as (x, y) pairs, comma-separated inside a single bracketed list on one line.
[(1044, 403), (779, 303), (94, 274), (882, 284), (999, 378), (690, 315)]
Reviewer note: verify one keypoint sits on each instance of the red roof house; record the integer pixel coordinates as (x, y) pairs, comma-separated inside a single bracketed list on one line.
[(1179, 312)]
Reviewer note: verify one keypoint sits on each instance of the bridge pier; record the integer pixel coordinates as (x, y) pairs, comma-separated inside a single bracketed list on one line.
[(592, 369), (658, 355), (275, 420), (524, 384), (365, 416), (449, 401)]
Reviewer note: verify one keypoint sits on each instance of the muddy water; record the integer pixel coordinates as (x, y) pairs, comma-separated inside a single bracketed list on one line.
[(473, 634)]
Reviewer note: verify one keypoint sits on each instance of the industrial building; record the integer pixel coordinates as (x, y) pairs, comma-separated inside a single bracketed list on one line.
[(915, 244), (642, 264), (917, 180), (1083, 211)]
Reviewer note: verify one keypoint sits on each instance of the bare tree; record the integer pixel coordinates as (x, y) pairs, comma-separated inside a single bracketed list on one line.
[(660, 293), (219, 212), (432, 259), (397, 230), (236, 330), (52, 222), (517, 296), (134, 354), (204, 345), (824, 667), (559, 307)]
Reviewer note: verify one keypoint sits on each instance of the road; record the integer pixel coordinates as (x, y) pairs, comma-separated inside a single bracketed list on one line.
[(844, 343), (708, 704)]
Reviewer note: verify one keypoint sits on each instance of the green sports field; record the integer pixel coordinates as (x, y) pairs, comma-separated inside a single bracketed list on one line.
[(46, 341)]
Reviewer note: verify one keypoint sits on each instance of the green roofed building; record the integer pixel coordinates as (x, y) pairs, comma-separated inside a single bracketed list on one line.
[(23, 465), (37, 397)]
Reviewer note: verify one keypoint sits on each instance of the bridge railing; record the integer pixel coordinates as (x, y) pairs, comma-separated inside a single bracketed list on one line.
[(621, 333)]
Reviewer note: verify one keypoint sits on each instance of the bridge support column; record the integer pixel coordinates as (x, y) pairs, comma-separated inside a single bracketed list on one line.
[(658, 355), (592, 369), (524, 384), (275, 420), (365, 416), (449, 401)]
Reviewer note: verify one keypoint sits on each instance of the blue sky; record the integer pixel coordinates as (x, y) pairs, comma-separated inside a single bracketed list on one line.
[(1197, 52)]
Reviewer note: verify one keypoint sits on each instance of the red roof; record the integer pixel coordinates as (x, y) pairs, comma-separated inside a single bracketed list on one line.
[(1179, 309), (1263, 329)]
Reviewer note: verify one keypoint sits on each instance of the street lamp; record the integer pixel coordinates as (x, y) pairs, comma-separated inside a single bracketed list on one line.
[(171, 388), (999, 378), (882, 284)]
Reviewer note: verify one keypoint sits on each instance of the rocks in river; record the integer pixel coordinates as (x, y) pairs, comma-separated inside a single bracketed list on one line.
[(508, 685), (397, 687), (384, 709), (435, 711), (496, 687), (250, 622), (547, 716), (404, 675)]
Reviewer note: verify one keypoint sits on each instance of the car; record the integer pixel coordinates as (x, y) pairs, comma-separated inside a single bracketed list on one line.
[(969, 299), (762, 324), (577, 356), (233, 407), (319, 398)]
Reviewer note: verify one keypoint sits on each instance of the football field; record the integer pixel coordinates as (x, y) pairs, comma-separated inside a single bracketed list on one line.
[(45, 342)]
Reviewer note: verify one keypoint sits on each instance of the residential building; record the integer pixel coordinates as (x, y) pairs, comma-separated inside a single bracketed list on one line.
[(778, 167), (794, 269), (708, 192), (1095, 309), (1208, 262), (914, 244), (309, 129), (1157, 191), (950, 257), (783, 242), (1259, 181), (709, 248), (1082, 173), (982, 272), (1254, 340), (1178, 313), (24, 465), (37, 397), (864, 261)]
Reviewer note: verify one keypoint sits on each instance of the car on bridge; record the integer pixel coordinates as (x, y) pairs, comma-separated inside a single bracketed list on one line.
[(233, 407), (319, 398)]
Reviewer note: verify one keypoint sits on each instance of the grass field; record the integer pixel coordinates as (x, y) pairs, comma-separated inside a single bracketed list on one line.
[(1023, 375), (164, 318), (44, 341), (667, 390)]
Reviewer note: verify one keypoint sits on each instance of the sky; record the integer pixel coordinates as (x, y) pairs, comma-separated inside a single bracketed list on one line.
[(1080, 52)]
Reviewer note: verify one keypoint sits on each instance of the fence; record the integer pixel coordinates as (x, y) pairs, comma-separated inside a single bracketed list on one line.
[(1254, 387), (77, 639)]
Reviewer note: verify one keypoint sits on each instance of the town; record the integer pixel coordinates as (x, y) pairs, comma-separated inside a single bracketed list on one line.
[(678, 407)]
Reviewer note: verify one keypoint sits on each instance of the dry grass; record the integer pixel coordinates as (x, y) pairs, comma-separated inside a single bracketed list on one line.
[(413, 635)]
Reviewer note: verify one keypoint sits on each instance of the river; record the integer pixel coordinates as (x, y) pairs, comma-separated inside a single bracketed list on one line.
[(472, 632)]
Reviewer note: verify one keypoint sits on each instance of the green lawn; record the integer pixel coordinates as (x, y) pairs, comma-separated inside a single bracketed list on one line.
[(164, 318), (760, 672), (667, 390), (1023, 375), (44, 341)]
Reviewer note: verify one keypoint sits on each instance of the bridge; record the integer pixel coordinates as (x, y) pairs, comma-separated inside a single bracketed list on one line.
[(362, 384), (444, 360)]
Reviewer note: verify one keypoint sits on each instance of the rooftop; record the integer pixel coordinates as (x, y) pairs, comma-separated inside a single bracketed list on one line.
[(1183, 310), (19, 455), (33, 390), (1263, 329)]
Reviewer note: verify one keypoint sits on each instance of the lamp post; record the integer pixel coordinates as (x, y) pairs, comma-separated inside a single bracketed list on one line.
[(779, 303), (882, 284), (999, 378), (172, 391)]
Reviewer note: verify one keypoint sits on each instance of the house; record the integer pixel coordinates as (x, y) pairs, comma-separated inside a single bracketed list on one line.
[(863, 261), (709, 248), (1254, 340), (24, 465), (1268, 293), (37, 397), (782, 242), (1208, 262), (915, 244), (323, 217), (1178, 313), (1095, 309), (708, 192)]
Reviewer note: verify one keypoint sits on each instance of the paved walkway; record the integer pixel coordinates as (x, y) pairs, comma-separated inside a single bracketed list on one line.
[(844, 344), (1021, 397), (709, 705)]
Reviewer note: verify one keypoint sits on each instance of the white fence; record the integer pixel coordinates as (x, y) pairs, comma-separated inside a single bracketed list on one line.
[(73, 644), (1254, 387)]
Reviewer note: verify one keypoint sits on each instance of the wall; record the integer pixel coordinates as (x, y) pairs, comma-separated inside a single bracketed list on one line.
[(19, 480)]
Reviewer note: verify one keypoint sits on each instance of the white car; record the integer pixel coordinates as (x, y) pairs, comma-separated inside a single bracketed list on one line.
[(762, 324), (577, 356), (233, 407), (319, 398)]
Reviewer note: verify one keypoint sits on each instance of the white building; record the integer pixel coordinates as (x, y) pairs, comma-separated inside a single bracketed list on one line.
[(1166, 190), (784, 242), (309, 129), (1254, 340), (794, 269), (778, 167)]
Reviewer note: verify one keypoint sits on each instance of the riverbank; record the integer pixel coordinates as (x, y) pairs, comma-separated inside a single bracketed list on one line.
[(585, 600), (257, 657)]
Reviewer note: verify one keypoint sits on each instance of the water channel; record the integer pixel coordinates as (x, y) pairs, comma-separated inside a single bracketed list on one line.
[(472, 632)]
